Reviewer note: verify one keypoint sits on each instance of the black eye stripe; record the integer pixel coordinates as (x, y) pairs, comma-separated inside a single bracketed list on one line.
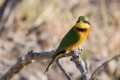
[(81, 29), (86, 22)]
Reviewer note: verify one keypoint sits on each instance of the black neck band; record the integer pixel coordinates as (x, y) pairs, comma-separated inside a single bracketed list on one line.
[(82, 29)]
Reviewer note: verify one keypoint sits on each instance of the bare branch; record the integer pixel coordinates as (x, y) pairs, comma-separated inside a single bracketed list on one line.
[(34, 55), (24, 61), (80, 64), (105, 63)]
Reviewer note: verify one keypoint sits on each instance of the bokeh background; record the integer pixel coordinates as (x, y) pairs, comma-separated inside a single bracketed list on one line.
[(41, 24)]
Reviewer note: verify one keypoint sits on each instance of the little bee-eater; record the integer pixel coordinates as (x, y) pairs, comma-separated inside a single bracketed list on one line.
[(72, 40)]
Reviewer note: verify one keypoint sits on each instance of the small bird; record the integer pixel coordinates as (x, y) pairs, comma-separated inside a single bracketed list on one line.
[(72, 40)]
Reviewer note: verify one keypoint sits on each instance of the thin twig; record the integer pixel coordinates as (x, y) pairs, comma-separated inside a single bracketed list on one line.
[(63, 70), (105, 63)]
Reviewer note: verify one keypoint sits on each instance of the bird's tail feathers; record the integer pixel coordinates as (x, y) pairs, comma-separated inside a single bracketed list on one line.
[(49, 66)]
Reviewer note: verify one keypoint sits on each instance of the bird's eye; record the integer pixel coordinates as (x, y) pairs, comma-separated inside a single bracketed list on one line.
[(78, 21)]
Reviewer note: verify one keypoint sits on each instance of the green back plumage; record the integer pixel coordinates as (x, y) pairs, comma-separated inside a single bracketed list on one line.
[(70, 38)]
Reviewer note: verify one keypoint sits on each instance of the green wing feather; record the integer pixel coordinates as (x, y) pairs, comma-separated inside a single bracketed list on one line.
[(69, 39)]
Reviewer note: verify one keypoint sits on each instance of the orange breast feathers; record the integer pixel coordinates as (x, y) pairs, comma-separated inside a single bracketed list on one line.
[(83, 36)]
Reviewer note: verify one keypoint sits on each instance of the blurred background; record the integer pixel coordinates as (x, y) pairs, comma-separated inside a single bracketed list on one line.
[(41, 24)]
